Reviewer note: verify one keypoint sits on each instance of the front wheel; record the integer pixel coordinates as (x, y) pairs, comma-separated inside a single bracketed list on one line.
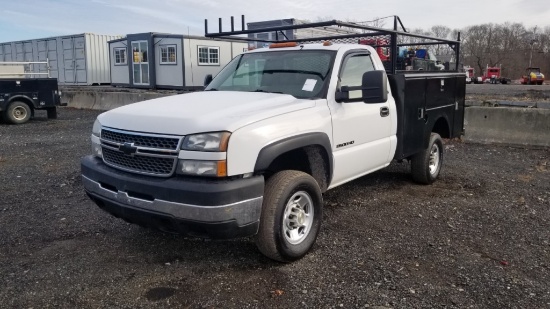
[(291, 216), (426, 165)]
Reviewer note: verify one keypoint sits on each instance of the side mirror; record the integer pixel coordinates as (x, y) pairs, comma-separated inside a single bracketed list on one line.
[(208, 80), (375, 87), (342, 95)]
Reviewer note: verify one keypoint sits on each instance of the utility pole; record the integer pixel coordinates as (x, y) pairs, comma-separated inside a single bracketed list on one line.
[(533, 41)]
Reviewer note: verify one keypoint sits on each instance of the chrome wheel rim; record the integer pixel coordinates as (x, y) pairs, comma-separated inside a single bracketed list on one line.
[(19, 113), (434, 159), (298, 217)]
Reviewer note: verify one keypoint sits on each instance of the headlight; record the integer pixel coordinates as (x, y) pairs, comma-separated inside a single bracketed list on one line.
[(202, 168), (216, 141), (96, 147), (96, 130)]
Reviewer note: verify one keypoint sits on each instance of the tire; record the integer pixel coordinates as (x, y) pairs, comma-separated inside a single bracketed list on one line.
[(52, 112), (426, 165), (17, 112), (291, 216)]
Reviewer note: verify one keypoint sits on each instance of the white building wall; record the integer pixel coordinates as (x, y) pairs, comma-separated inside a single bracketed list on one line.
[(169, 75), (195, 73), (119, 72)]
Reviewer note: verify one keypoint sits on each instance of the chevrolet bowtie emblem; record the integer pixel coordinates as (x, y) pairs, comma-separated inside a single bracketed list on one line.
[(128, 149)]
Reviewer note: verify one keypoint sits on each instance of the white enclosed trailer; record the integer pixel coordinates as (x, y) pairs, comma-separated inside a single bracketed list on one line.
[(80, 59)]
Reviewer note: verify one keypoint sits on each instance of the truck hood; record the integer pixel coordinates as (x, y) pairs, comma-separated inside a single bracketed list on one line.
[(201, 112)]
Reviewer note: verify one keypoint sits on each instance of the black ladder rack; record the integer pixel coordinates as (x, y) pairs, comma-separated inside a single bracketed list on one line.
[(395, 37)]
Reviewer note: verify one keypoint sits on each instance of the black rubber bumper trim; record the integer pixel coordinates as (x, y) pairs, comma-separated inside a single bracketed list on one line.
[(193, 191), (218, 230)]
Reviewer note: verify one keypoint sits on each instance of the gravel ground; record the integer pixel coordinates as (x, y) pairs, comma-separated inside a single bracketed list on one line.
[(477, 238)]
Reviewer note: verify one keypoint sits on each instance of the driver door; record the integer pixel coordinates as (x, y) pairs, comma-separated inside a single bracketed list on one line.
[(361, 131)]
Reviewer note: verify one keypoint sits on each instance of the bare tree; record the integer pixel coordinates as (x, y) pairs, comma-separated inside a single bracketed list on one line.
[(443, 33)]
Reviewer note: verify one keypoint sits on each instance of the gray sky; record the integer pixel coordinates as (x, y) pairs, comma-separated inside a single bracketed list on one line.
[(30, 19)]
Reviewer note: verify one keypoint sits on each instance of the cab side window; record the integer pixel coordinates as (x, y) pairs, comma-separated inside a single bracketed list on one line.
[(353, 68)]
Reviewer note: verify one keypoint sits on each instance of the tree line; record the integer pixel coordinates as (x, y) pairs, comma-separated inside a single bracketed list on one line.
[(510, 45)]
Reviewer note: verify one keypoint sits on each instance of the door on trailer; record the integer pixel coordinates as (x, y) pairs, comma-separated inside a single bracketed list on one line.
[(74, 60), (80, 59), (361, 131), (69, 71), (43, 57), (51, 54), (27, 51), (140, 62), (7, 50), (19, 52)]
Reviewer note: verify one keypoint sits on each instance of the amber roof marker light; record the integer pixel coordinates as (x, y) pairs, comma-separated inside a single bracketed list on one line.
[(285, 44)]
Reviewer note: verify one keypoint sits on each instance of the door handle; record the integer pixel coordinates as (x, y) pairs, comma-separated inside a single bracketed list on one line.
[(384, 112)]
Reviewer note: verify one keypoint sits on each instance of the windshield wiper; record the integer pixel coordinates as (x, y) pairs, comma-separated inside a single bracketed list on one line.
[(211, 89), (261, 90)]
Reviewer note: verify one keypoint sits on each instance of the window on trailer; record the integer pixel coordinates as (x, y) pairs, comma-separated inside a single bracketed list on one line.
[(168, 54), (209, 55), (120, 56)]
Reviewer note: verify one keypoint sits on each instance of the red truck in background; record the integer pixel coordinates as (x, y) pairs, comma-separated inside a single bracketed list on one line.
[(492, 75), (470, 74)]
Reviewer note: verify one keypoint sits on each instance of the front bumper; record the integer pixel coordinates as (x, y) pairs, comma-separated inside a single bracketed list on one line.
[(200, 207)]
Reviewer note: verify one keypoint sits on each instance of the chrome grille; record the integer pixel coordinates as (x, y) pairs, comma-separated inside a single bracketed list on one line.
[(143, 164), (141, 140), (152, 154)]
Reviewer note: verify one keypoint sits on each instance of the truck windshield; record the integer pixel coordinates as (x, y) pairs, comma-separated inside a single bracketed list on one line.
[(300, 73)]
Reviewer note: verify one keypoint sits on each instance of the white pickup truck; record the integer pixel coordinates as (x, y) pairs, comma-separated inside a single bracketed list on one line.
[(277, 127)]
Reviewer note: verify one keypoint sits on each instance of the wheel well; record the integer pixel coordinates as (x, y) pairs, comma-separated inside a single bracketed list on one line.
[(441, 127), (312, 160), (24, 100)]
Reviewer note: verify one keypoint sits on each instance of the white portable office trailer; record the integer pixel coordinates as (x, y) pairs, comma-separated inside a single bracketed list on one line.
[(168, 61)]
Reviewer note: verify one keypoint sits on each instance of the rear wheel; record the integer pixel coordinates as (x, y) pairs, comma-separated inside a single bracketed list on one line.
[(291, 216), (426, 165), (17, 113)]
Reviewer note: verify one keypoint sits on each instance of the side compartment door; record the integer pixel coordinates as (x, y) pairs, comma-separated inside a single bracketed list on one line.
[(458, 122), (361, 131)]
